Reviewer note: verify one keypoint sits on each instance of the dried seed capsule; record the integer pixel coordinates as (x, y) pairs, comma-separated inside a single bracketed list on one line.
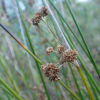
[(51, 71), (44, 11), (49, 50), (69, 56), (60, 49), (36, 18)]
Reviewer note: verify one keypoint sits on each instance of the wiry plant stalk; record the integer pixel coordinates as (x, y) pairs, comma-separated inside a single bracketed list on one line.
[(63, 92), (66, 44), (62, 7), (20, 43), (85, 83), (52, 31), (15, 63), (13, 55), (68, 90), (36, 59)]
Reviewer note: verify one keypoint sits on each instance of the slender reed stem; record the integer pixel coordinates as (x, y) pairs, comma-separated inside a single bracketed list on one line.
[(94, 90), (21, 44), (80, 94), (35, 58), (10, 89), (52, 31), (69, 90), (85, 83)]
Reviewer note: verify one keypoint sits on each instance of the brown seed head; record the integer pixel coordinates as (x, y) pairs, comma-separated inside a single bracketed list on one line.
[(49, 50), (69, 56), (44, 11), (36, 19), (51, 71), (60, 49)]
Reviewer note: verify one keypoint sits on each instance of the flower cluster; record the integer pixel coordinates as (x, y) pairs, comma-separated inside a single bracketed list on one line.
[(51, 71), (49, 50), (44, 11), (36, 19), (66, 55), (60, 49), (39, 15)]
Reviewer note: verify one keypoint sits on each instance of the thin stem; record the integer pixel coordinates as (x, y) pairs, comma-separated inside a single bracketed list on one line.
[(60, 66), (69, 90), (52, 31), (85, 83), (21, 44), (10, 89), (80, 94), (94, 91)]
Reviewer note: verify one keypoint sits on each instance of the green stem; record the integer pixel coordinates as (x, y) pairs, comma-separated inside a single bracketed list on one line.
[(85, 83), (52, 31), (10, 89), (90, 76), (93, 88), (69, 90), (76, 81)]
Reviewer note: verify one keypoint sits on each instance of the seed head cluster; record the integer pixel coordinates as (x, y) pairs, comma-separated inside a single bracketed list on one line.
[(49, 50), (44, 11), (39, 15), (36, 19), (68, 56), (60, 49), (51, 71)]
